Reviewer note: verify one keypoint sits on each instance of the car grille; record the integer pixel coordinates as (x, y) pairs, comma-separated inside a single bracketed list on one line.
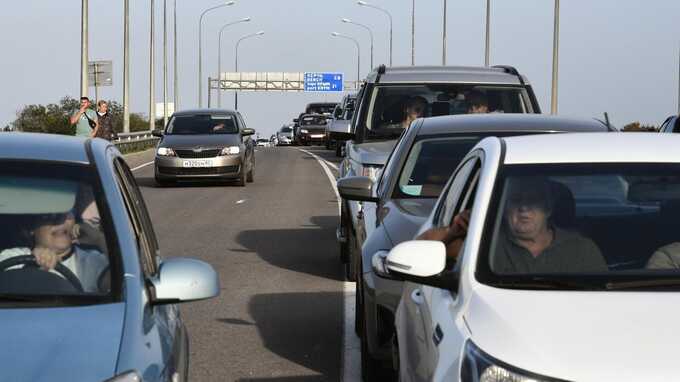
[(207, 153), (197, 170)]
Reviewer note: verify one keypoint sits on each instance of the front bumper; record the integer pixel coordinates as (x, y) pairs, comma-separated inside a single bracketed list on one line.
[(313, 138), (222, 167)]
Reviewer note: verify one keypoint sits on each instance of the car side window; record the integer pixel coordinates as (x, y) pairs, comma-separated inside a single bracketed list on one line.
[(457, 192), (139, 217)]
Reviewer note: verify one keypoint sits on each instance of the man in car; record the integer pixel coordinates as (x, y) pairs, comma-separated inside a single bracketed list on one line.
[(414, 108), (477, 102)]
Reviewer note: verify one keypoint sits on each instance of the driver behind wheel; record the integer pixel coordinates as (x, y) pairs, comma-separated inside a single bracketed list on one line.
[(54, 240)]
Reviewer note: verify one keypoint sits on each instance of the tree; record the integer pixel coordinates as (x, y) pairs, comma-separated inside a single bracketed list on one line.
[(637, 127)]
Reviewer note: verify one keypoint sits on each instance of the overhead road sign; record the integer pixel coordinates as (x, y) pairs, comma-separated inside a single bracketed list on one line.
[(323, 82)]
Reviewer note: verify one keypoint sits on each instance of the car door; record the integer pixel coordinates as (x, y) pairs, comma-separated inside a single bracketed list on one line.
[(420, 304), (248, 144), (162, 326)]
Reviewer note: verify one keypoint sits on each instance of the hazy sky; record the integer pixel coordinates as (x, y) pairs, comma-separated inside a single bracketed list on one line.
[(619, 56)]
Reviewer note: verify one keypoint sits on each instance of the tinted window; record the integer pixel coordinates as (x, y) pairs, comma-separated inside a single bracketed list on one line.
[(53, 213), (313, 120), (202, 124), (286, 129), (430, 164)]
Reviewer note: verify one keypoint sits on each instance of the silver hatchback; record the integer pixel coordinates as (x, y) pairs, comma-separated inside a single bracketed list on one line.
[(205, 144)]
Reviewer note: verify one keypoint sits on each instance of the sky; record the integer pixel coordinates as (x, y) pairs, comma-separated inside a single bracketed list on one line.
[(618, 56)]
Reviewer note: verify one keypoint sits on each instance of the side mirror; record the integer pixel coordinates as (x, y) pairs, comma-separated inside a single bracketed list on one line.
[(157, 132), (182, 279), (418, 258), (296, 120), (359, 188), (246, 132)]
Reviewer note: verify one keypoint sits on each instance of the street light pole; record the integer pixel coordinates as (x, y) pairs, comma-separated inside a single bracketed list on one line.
[(556, 46), (83, 48), (219, 58), (126, 67), (444, 37), (370, 32), (200, 50), (363, 3), (165, 63), (413, 33), (175, 81), (336, 34), (260, 33), (152, 82), (488, 33)]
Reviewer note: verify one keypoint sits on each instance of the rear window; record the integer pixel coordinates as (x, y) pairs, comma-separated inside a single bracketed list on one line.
[(286, 130), (315, 120), (202, 124), (320, 108)]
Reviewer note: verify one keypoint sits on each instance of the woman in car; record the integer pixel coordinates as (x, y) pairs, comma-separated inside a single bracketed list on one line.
[(55, 240)]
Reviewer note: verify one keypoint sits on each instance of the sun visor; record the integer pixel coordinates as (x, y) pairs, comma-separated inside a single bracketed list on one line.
[(36, 196)]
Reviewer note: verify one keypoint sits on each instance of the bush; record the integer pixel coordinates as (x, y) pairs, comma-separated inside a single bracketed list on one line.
[(637, 127)]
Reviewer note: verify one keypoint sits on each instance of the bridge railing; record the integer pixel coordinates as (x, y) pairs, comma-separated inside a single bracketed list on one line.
[(136, 141)]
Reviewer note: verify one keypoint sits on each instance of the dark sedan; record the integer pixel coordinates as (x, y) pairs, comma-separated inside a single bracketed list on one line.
[(205, 144), (395, 208)]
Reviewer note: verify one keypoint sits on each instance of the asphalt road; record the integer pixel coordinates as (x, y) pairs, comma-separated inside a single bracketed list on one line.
[(280, 314)]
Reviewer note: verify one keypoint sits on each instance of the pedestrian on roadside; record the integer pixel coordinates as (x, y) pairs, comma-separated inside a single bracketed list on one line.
[(105, 129), (85, 119)]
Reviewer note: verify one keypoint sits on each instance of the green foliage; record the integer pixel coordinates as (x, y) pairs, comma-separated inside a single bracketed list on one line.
[(637, 127)]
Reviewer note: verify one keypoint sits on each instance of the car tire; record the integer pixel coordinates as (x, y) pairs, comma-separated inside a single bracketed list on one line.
[(359, 313), (241, 181), (350, 266), (250, 175)]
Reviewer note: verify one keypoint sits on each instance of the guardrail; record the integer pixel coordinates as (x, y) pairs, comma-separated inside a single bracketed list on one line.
[(141, 140)]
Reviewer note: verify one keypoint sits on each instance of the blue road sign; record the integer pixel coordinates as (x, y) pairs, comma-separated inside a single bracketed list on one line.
[(323, 82)]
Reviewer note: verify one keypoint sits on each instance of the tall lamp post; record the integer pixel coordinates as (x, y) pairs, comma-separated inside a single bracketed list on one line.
[(413, 33), (487, 49), (83, 48), (370, 32), (260, 33), (165, 63), (555, 66), (126, 66), (219, 58), (152, 72), (365, 4), (175, 81), (336, 34), (200, 49)]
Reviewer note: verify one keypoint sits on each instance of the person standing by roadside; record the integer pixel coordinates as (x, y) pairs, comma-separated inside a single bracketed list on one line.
[(105, 129), (85, 119)]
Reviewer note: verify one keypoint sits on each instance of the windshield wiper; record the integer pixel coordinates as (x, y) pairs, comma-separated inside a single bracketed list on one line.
[(20, 298), (546, 284), (641, 284)]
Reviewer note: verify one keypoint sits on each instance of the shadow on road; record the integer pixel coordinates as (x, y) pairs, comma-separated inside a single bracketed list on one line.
[(304, 328), (149, 182), (310, 249)]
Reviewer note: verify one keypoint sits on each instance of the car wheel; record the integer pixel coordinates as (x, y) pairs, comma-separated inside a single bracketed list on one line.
[(241, 181), (350, 265), (338, 150), (359, 310), (249, 177)]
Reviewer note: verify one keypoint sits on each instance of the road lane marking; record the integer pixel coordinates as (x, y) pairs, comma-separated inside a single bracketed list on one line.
[(240, 201), (141, 166), (351, 348)]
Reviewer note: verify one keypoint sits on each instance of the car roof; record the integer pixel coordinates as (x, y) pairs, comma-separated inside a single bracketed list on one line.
[(499, 122), (47, 147), (448, 74), (631, 147), (204, 111)]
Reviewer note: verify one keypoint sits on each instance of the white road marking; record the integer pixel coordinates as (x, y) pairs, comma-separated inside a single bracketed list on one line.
[(351, 348), (141, 166), (241, 201)]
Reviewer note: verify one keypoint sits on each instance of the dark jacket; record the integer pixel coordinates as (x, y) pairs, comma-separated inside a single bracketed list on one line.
[(106, 127)]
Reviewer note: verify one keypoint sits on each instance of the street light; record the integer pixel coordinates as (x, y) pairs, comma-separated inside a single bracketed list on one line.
[(365, 4), (83, 47), (200, 49), (413, 33), (336, 34), (219, 58), (444, 36), (370, 32), (487, 49), (260, 33), (152, 72), (555, 66)]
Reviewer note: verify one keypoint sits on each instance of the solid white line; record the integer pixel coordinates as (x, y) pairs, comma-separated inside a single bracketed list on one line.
[(140, 166), (351, 348)]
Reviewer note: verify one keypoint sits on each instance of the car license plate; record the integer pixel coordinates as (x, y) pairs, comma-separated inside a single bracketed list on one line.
[(317, 136), (197, 163)]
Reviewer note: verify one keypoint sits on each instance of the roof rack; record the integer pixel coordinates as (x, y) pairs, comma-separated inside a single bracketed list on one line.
[(510, 70), (381, 71)]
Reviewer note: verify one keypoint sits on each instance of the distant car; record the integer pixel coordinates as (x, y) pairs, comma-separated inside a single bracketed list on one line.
[(107, 310), (205, 144), (312, 129), (341, 123), (325, 108), (285, 135), (671, 125), (414, 176), (490, 308), (263, 142)]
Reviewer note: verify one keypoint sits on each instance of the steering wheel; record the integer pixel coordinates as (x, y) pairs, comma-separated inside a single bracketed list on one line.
[(29, 260)]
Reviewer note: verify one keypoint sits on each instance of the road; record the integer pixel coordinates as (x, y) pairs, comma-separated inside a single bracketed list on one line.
[(281, 311)]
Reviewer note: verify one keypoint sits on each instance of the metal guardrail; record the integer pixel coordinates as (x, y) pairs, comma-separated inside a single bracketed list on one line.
[(140, 140)]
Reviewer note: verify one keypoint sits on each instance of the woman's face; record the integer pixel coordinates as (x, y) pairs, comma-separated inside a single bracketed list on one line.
[(55, 232)]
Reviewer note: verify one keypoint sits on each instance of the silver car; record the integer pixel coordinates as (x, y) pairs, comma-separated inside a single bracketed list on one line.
[(84, 291), (205, 144)]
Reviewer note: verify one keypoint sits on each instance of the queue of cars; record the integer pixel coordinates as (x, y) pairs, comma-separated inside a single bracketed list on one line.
[(505, 247)]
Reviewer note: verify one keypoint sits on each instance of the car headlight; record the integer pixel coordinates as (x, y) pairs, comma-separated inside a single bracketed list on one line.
[(231, 150), (479, 366), (128, 376), (166, 152), (371, 171), (304, 131)]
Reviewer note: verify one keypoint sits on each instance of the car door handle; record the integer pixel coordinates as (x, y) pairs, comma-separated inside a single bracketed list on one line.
[(417, 296)]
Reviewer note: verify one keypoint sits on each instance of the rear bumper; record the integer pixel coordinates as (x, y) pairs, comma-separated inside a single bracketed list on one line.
[(173, 168)]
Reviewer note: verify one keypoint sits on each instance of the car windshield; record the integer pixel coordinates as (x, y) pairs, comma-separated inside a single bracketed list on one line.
[(585, 226), (54, 240), (430, 164), (392, 107), (313, 120), (321, 108), (286, 130), (202, 124)]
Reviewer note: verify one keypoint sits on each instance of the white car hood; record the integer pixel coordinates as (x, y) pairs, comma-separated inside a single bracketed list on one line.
[(580, 336)]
